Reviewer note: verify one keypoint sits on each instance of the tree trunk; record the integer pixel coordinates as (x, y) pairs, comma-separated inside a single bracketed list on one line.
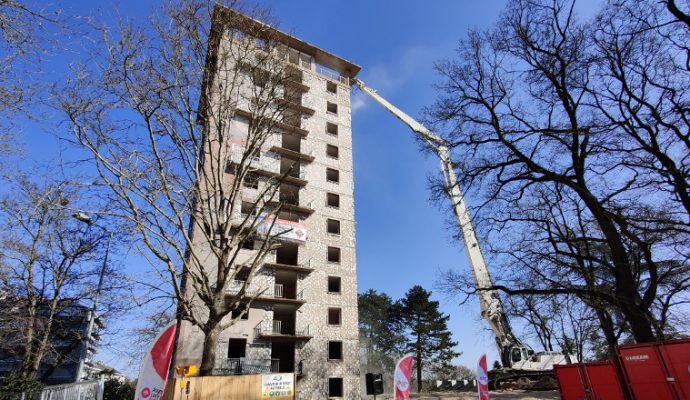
[(208, 355), (626, 294), (419, 371)]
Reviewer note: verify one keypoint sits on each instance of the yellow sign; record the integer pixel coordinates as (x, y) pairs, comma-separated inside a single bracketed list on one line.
[(187, 370), (277, 386)]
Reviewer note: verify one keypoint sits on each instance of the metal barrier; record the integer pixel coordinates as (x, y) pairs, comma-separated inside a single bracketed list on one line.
[(87, 390)]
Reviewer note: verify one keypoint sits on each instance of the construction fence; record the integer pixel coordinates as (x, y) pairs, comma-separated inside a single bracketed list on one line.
[(244, 387), (87, 390)]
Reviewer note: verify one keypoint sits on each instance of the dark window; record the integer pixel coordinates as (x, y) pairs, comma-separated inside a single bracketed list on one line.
[(248, 208), (251, 181), (335, 387), (333, 284), (333, 200), (331, 87), (236, 313), (287, 253), (334, 254), (332, 151), (243, 274), (333, 316), (335, 350), (331, 107), (236, 348), (248, 243), (331, 129), (332, 175), (333, 226)]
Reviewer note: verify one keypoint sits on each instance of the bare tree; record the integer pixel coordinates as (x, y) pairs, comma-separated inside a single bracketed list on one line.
[(28, 33), (51, 266), (176, 116), (544, 135)]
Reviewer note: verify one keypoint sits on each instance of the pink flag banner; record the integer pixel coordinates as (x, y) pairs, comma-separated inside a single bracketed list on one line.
[(483, 379), (154, 369), (403, 372)]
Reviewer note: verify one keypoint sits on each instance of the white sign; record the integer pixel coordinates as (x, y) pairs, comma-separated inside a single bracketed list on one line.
[(276, 386), (283, 229)]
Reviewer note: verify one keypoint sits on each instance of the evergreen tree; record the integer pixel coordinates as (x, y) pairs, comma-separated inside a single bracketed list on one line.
[(428, 336), (379, 330)]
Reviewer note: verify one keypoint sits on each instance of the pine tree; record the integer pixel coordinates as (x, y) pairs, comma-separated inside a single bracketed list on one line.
[(379, 328), (428, 336)]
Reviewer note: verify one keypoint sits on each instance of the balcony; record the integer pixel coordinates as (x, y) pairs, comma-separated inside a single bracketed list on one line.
[(293, 153), (332, 74), (292, 204), (281, 331), (241, 366), (236, 286), (293, 172), (295, 104), (292, 74), (278, 295), (304, 267), (294, 128), (265, 163)]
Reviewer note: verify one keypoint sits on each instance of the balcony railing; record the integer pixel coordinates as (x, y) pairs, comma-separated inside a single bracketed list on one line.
[(239, 366), (264, 161), (277, 328), (237, 285), (332, 74), (291, 201), (279, 292)]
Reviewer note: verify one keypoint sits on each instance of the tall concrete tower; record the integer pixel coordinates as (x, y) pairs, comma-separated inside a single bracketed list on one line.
[(305, 318)]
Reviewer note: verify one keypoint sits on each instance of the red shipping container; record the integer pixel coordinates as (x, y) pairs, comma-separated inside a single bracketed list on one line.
[(657, 370), (589, 381), (677, 358)]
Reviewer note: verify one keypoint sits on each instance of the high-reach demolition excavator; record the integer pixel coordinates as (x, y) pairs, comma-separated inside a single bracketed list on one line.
[(523, 368)]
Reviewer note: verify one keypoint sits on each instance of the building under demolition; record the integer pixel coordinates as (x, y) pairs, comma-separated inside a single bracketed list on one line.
[(304, 317)]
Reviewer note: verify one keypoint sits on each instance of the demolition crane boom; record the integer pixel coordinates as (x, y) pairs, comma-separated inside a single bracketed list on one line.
[(490, 303)]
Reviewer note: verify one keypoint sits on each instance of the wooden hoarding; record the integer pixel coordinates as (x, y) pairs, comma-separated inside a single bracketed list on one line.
[(240, 387)]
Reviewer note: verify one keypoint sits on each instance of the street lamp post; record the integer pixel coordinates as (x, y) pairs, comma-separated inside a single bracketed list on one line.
[(80, 216)]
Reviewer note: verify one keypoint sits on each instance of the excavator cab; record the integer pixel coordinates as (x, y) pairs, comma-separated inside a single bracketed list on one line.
[(519, 354)]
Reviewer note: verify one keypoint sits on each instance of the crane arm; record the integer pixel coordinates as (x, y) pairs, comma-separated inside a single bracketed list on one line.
[(490, 303)]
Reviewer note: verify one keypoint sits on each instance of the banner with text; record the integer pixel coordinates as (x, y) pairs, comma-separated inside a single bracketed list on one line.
[(283, 229), (154, 369), (403, 372), (483, 379)]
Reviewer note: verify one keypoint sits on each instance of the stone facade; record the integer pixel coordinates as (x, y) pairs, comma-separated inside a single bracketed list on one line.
[(313, 286)]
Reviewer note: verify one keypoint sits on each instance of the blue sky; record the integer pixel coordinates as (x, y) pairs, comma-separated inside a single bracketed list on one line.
[(402, 239)]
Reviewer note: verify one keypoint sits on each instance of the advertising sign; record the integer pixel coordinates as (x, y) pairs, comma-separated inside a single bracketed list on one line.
[(283, 229), (483, 379), (278, 386), (154, 369), (403, 371)]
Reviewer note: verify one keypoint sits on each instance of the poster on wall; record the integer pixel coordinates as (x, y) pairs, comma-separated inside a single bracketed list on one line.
[(283, 229)]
